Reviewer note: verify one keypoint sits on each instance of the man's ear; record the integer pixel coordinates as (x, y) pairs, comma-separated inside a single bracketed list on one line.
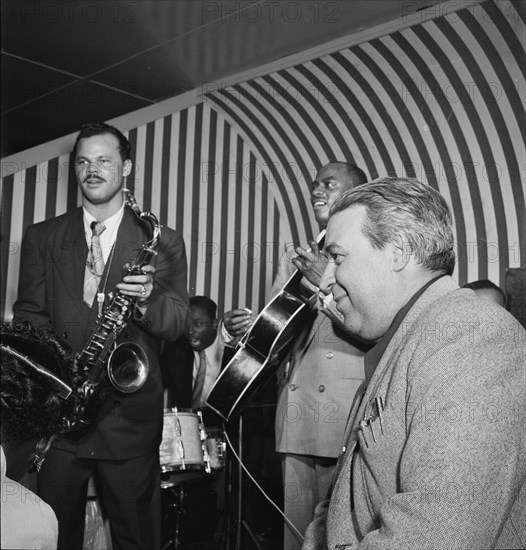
[(402, 253), (126, 168), (215, 323)]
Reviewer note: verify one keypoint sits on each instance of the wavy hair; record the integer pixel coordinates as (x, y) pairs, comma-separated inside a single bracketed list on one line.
[(409, 209)]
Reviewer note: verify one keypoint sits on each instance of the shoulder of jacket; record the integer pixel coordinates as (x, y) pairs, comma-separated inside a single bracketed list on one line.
[(55, 222)]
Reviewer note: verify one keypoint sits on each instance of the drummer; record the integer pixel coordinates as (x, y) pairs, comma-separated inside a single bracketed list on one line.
[(190, 367), (192, 363)]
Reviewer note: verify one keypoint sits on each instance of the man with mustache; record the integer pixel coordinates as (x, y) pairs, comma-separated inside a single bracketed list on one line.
[(69, 267), (320, 378), (433, 452)]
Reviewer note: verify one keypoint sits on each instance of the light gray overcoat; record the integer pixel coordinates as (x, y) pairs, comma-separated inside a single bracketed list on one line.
[(446, 465)]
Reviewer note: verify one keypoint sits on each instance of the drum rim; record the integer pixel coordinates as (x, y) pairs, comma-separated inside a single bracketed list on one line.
[(182, 467)]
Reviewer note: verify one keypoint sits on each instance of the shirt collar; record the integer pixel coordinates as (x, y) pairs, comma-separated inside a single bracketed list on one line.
[(111, 223), (374, 355)]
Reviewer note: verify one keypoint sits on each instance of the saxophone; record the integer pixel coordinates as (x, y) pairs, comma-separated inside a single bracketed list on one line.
[(125, 365)]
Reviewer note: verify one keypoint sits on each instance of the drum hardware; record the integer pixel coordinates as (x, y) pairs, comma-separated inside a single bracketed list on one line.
[(240, 523), (188, 453), (216, 448), (183, 445), (176, 511)]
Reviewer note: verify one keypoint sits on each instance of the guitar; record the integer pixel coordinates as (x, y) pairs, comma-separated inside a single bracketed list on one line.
[(263, 347)]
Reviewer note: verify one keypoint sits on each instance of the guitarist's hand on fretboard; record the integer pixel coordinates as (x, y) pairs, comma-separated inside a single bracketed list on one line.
[(310, 262)]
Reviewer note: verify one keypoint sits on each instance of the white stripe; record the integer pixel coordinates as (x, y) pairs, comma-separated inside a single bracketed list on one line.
[(157, 165), (173, 182)]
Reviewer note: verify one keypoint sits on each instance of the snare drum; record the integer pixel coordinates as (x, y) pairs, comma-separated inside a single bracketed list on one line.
[(216, 448), (182, 446)]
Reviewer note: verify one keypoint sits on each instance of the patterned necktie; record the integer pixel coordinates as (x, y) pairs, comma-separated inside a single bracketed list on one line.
[(94, 264), (199, 384)]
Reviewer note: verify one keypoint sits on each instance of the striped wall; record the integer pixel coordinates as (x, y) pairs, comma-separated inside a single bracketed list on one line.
[(443, 101)]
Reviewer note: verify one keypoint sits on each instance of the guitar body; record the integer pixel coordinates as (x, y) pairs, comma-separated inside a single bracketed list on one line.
[(262, 349)]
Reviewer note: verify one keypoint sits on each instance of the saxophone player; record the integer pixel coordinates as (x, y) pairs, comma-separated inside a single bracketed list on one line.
[(70, 267)]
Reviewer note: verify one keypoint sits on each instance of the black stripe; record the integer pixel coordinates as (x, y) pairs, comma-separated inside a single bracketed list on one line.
[(277, 251), (165, 169), (265, 156), (508, 85), (181, 167), (29, 197), (224, 218), (131, 179), (237, 222), (250, 252), (9, 248), (286, 163), (381, 109), (345, 122), (72, 189), (347, 66), (263, 269), (412, 127), (197, 132), (289, 135), (456, 131), (210, 247), (307, 119), (148, 167), (509, 35), (482, 138), (51, 191)]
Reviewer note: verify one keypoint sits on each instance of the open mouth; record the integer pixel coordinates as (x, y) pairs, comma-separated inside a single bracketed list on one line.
[(318, 203), (91, 181)]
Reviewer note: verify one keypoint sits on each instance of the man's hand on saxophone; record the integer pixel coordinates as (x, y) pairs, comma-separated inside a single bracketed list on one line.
[(138, 286)]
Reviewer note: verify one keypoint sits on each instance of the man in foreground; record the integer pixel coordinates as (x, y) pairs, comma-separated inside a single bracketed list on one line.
[(433, 452), (38, 400)]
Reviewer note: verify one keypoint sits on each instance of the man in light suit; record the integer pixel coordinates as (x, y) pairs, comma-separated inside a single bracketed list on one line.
[(319, 380), (55, 289), (433, 453)]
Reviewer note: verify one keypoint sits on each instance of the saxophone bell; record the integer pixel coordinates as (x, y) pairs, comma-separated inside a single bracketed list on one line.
[(128, 367)]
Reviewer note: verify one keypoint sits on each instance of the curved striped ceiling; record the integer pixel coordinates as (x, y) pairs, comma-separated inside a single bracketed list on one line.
[(442, 101)]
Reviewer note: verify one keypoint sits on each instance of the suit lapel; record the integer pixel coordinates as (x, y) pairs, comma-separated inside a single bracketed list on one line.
[(71, 274)]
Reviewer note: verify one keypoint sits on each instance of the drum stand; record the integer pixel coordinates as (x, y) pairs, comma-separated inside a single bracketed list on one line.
[(178, 509), (240, 523)]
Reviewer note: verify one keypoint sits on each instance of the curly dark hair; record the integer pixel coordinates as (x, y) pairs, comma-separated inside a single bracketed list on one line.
[(31, 406)]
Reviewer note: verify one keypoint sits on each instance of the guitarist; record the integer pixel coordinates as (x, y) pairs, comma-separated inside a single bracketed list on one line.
[(318, 382)]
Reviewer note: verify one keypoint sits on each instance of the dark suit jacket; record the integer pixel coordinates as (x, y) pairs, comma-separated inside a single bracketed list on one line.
[(177, 364), (51, 293)]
